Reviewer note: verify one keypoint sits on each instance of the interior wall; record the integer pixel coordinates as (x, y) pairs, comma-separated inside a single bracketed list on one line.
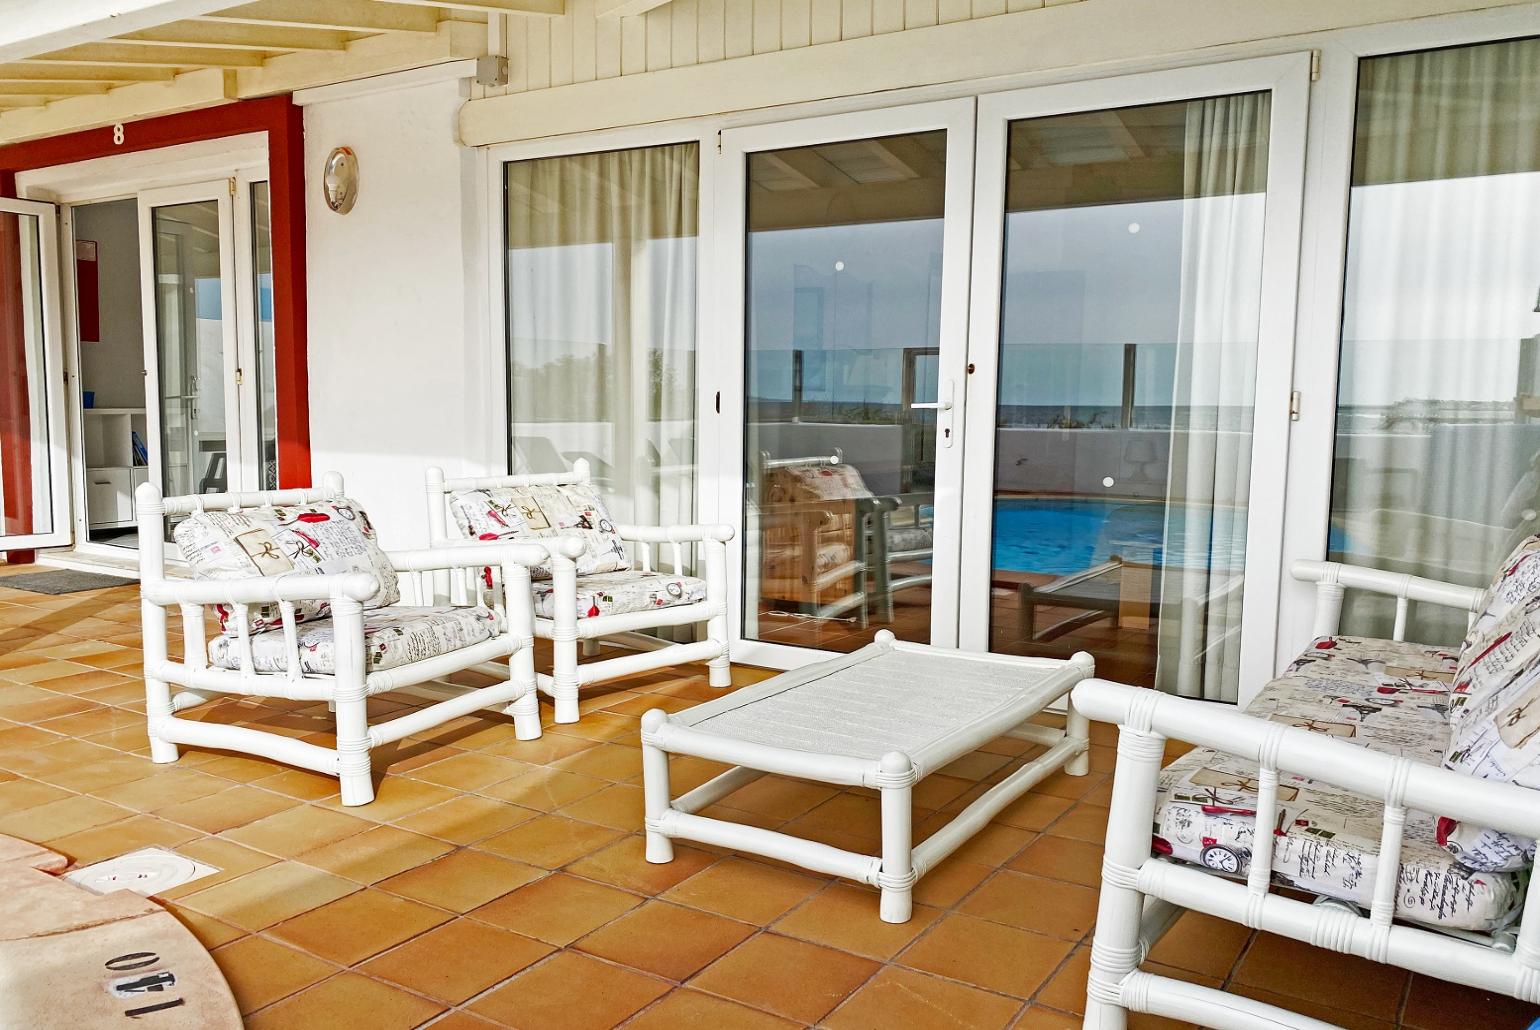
[(394, 309), (113, 366)]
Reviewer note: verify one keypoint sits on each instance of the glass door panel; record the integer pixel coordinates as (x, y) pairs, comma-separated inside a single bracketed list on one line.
[(1125, 350), (30, 471), (853, 293), (191, 340), (1440, 355)]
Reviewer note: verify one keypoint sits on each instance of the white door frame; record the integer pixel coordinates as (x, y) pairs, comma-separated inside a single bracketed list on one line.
[(55, 492), (235, 446), (1287, 78), (727, 284)]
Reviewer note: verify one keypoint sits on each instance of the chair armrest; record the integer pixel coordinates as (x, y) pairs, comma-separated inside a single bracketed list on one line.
[(358, 586), (675, 534), (1333, 579), (1428, 788), (475, 554)]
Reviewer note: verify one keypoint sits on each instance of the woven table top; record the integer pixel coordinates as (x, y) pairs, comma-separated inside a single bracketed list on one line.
[(879, 699)]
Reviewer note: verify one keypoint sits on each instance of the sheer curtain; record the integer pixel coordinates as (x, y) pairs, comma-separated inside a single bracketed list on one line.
[(1439, 332), (601, 323), (1224, 178)]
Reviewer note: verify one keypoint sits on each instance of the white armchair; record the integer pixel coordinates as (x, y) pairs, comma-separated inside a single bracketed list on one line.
[(611, 590), (304, 632)]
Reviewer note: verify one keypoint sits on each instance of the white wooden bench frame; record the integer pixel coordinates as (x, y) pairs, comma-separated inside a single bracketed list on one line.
[(349, 688), (901, 862), (1142, 895), (566, 629)]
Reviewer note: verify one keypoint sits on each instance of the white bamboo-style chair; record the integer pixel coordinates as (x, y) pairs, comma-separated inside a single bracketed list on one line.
[(611, 591), (299, 634), (1387, 888)]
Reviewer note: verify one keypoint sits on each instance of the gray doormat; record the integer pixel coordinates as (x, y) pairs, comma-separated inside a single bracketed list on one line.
[(62, 581)]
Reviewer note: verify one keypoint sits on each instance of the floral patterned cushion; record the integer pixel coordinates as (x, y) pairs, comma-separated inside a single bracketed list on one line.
[(616, 593), (392, 637), (1494, 716), (815, 482), (539, 512), (1389, 697), (322, 538)]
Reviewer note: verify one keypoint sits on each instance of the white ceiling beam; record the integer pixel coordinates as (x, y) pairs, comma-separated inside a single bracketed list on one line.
[(542, 8), (342, 15), (81, 73), (38, 26), (624, 8), (150, 56), (8, 100), (238, 37)]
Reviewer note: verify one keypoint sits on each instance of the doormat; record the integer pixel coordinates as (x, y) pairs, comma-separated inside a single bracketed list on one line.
[(62, 581)]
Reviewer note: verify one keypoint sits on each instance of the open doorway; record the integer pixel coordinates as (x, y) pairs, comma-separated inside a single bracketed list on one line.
[(114, 412)]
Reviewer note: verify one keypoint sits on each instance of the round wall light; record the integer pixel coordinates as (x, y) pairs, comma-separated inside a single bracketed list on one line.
[(339, 180)]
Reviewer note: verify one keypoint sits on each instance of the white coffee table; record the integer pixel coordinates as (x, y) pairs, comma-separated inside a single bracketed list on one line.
[(883, 717)]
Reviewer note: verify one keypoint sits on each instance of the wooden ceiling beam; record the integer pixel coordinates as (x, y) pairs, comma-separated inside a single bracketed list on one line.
[(138, 54), (53, 89), (80, 73), (35, 27), (624, 8), (341, 15), (539, 8), (238, 37)]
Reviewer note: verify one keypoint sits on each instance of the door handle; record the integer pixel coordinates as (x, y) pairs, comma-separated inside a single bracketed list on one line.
[(942, 406)]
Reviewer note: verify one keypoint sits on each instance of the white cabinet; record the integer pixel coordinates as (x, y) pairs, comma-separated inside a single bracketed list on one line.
[(116, 446)]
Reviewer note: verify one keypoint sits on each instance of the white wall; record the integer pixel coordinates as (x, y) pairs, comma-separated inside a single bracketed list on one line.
[(113, 366), (395, 310)]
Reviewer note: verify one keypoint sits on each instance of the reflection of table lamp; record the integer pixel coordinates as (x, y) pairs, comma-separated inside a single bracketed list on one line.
[(1143, 462)]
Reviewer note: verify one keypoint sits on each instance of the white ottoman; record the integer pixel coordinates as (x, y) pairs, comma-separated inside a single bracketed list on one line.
[(884, 717)]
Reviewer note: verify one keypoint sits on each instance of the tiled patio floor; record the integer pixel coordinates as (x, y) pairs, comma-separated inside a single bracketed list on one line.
[(496, 881)]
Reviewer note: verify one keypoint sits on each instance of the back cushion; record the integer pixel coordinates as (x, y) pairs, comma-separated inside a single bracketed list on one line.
[(538, 512), (815, 482), (1494, 709), (317, 539)]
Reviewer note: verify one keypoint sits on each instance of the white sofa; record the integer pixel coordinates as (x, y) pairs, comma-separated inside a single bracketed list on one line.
[(1356, 764)]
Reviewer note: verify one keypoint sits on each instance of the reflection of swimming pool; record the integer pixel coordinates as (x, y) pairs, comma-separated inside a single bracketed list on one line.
[(1063, 535)]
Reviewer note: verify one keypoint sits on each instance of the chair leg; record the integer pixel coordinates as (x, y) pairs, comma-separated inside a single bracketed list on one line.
[(157, 704), (354, 765), (719, 670), (564, 680), (1115, 950), (590, 647)]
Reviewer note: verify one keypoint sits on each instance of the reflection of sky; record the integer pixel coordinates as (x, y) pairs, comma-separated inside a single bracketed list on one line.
[(1441, 285)]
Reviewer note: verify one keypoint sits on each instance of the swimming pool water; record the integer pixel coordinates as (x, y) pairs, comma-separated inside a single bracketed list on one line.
[(1060, 536)]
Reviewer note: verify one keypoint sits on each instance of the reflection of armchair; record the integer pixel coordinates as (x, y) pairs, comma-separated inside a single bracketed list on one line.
[(899, 528), (809, 514)]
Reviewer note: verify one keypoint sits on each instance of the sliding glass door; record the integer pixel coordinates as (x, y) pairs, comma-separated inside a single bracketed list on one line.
[(601, 304), (33, 511), (1436, 463), (844, 275), (1131, 323)]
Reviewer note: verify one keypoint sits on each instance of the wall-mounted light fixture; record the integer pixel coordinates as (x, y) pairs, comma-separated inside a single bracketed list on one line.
[(339, 180)]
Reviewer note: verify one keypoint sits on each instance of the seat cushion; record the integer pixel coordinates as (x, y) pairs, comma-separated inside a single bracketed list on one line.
[(910, 538), (392, 637), (321, 538), (1386, 696), (814, 481), (540, 512), (616, 593)]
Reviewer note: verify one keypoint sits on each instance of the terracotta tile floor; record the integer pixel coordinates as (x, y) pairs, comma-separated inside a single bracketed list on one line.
[(496, 881)]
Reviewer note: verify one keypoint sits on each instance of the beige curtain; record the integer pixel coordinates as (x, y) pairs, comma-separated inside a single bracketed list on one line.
[(1204, 546), (601, 323), (1439, 332)]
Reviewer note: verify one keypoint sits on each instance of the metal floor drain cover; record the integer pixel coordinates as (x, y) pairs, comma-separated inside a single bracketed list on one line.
[(148, 871)]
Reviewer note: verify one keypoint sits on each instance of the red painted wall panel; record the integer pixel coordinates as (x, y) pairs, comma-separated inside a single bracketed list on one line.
[(284, 124)]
